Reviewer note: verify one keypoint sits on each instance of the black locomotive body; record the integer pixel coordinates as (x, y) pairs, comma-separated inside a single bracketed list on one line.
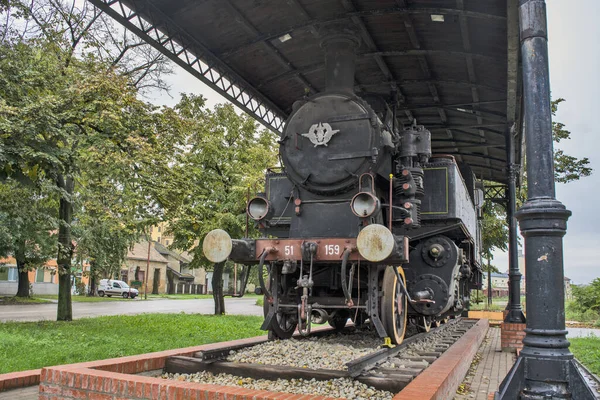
[(363, 222)]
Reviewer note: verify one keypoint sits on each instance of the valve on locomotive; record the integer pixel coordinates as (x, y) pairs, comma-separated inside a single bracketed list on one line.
[(414, 152)]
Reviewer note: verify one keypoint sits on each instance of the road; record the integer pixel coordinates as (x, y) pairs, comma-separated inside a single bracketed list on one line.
[(40, 312)]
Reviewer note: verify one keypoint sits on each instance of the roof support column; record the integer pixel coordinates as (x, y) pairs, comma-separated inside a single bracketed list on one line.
[(515, 312), (545, 368)]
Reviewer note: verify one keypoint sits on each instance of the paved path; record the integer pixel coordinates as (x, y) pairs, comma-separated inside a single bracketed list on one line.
[(486, 376), (37, 312), (29, 393), (582, 332)]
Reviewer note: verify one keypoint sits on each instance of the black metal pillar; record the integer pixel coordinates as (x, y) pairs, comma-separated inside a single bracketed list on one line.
[(545, 368), (515, 311)]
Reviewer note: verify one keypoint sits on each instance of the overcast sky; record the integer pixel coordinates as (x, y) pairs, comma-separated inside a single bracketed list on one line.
[(574, 68)]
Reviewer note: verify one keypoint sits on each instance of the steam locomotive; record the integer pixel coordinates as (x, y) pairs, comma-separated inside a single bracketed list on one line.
[(363, 222)]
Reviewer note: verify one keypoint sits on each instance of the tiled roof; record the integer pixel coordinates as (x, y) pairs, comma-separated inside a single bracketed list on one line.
[(164, 250), (140, 252)]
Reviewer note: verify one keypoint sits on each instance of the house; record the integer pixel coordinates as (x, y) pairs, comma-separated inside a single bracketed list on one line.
[(158, 233), (134, 269), (499, 284), (43, 280), (179, 273)]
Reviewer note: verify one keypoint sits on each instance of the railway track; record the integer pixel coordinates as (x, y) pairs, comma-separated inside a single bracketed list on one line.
[(348, 364)]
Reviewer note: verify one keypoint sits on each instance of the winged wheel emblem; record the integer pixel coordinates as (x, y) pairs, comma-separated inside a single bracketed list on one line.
[(320, 134)]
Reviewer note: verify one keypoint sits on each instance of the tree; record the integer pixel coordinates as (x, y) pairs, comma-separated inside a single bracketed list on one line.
[(225, 154), (27, 216), (566, 168), (68, 86)]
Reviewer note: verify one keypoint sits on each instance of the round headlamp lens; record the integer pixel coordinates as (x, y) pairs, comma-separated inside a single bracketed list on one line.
[(258, 208), (364, 204)]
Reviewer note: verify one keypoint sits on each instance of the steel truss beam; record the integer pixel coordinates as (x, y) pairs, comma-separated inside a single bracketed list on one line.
[(135, 15), (496, 194)]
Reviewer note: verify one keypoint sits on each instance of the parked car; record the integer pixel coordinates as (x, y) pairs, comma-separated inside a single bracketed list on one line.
[(112, 287)]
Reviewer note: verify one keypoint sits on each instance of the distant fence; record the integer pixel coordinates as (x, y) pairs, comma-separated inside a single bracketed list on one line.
[(187, 288)]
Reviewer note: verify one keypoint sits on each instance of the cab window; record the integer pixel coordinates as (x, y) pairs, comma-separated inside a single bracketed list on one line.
[(116, 285)]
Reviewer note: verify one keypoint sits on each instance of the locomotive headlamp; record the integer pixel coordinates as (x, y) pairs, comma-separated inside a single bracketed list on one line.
[(258, 208), (217, 245), (364, 204), (375, 243)]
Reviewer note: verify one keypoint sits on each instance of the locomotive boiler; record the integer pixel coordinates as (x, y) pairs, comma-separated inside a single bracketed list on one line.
[(362, 222)]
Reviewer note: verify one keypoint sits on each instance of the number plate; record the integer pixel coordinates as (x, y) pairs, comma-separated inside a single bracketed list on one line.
[(290, 249)]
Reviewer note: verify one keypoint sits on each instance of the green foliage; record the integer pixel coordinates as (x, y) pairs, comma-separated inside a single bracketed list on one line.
[(226, 155), (566, 168), (587, 297), (27, 220), (33, 345), (494, 230), (587, 351)]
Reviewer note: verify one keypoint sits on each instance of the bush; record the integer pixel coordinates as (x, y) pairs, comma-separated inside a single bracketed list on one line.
[(587, 297), (590, 316), (80, 288)]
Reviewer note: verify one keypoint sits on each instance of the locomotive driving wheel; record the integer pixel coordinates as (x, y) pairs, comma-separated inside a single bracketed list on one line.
[(394, 305)]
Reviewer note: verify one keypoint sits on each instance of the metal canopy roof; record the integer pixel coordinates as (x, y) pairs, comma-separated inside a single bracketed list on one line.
[(453, 63)]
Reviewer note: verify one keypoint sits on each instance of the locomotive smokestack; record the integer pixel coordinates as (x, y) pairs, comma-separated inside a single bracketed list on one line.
[(340, 58)]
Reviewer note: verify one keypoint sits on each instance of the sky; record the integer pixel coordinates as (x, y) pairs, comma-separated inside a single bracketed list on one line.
[(574, 43)]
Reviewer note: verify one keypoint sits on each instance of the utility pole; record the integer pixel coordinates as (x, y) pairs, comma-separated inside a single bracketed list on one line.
[(490, 299), (147, 270), (234, 279)]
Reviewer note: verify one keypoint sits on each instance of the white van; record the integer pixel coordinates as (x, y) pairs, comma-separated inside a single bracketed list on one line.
[(110, 287)]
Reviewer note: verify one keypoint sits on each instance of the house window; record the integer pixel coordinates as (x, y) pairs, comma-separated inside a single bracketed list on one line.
[(124, 275), (159, 228), (8, 274), (158, 239), (39, 275), (167, 242)]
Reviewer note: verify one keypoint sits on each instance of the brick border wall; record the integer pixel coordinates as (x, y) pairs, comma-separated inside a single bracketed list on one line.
[(15, 380), (440, 380), (113, 379), (512, 335)]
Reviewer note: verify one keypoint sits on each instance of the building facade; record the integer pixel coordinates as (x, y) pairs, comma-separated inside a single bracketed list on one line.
[(144, 275)]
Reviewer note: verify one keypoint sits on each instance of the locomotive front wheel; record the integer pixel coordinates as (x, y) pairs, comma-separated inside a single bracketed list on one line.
[(394, 305), (423, 323), (282, 325)]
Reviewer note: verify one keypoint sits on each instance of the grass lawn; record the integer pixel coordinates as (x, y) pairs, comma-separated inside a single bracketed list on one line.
[(31, 345), (22, 300), (178, 296), (84, 299), (587, 350)]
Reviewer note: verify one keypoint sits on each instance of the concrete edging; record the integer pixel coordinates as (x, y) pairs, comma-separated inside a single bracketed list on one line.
[(441, 379)]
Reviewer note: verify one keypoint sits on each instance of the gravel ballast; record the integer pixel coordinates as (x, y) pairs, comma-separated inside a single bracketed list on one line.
[(344, 388)]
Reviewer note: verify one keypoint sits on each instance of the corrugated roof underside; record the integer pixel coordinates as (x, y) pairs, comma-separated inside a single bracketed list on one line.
[(440, 68)]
